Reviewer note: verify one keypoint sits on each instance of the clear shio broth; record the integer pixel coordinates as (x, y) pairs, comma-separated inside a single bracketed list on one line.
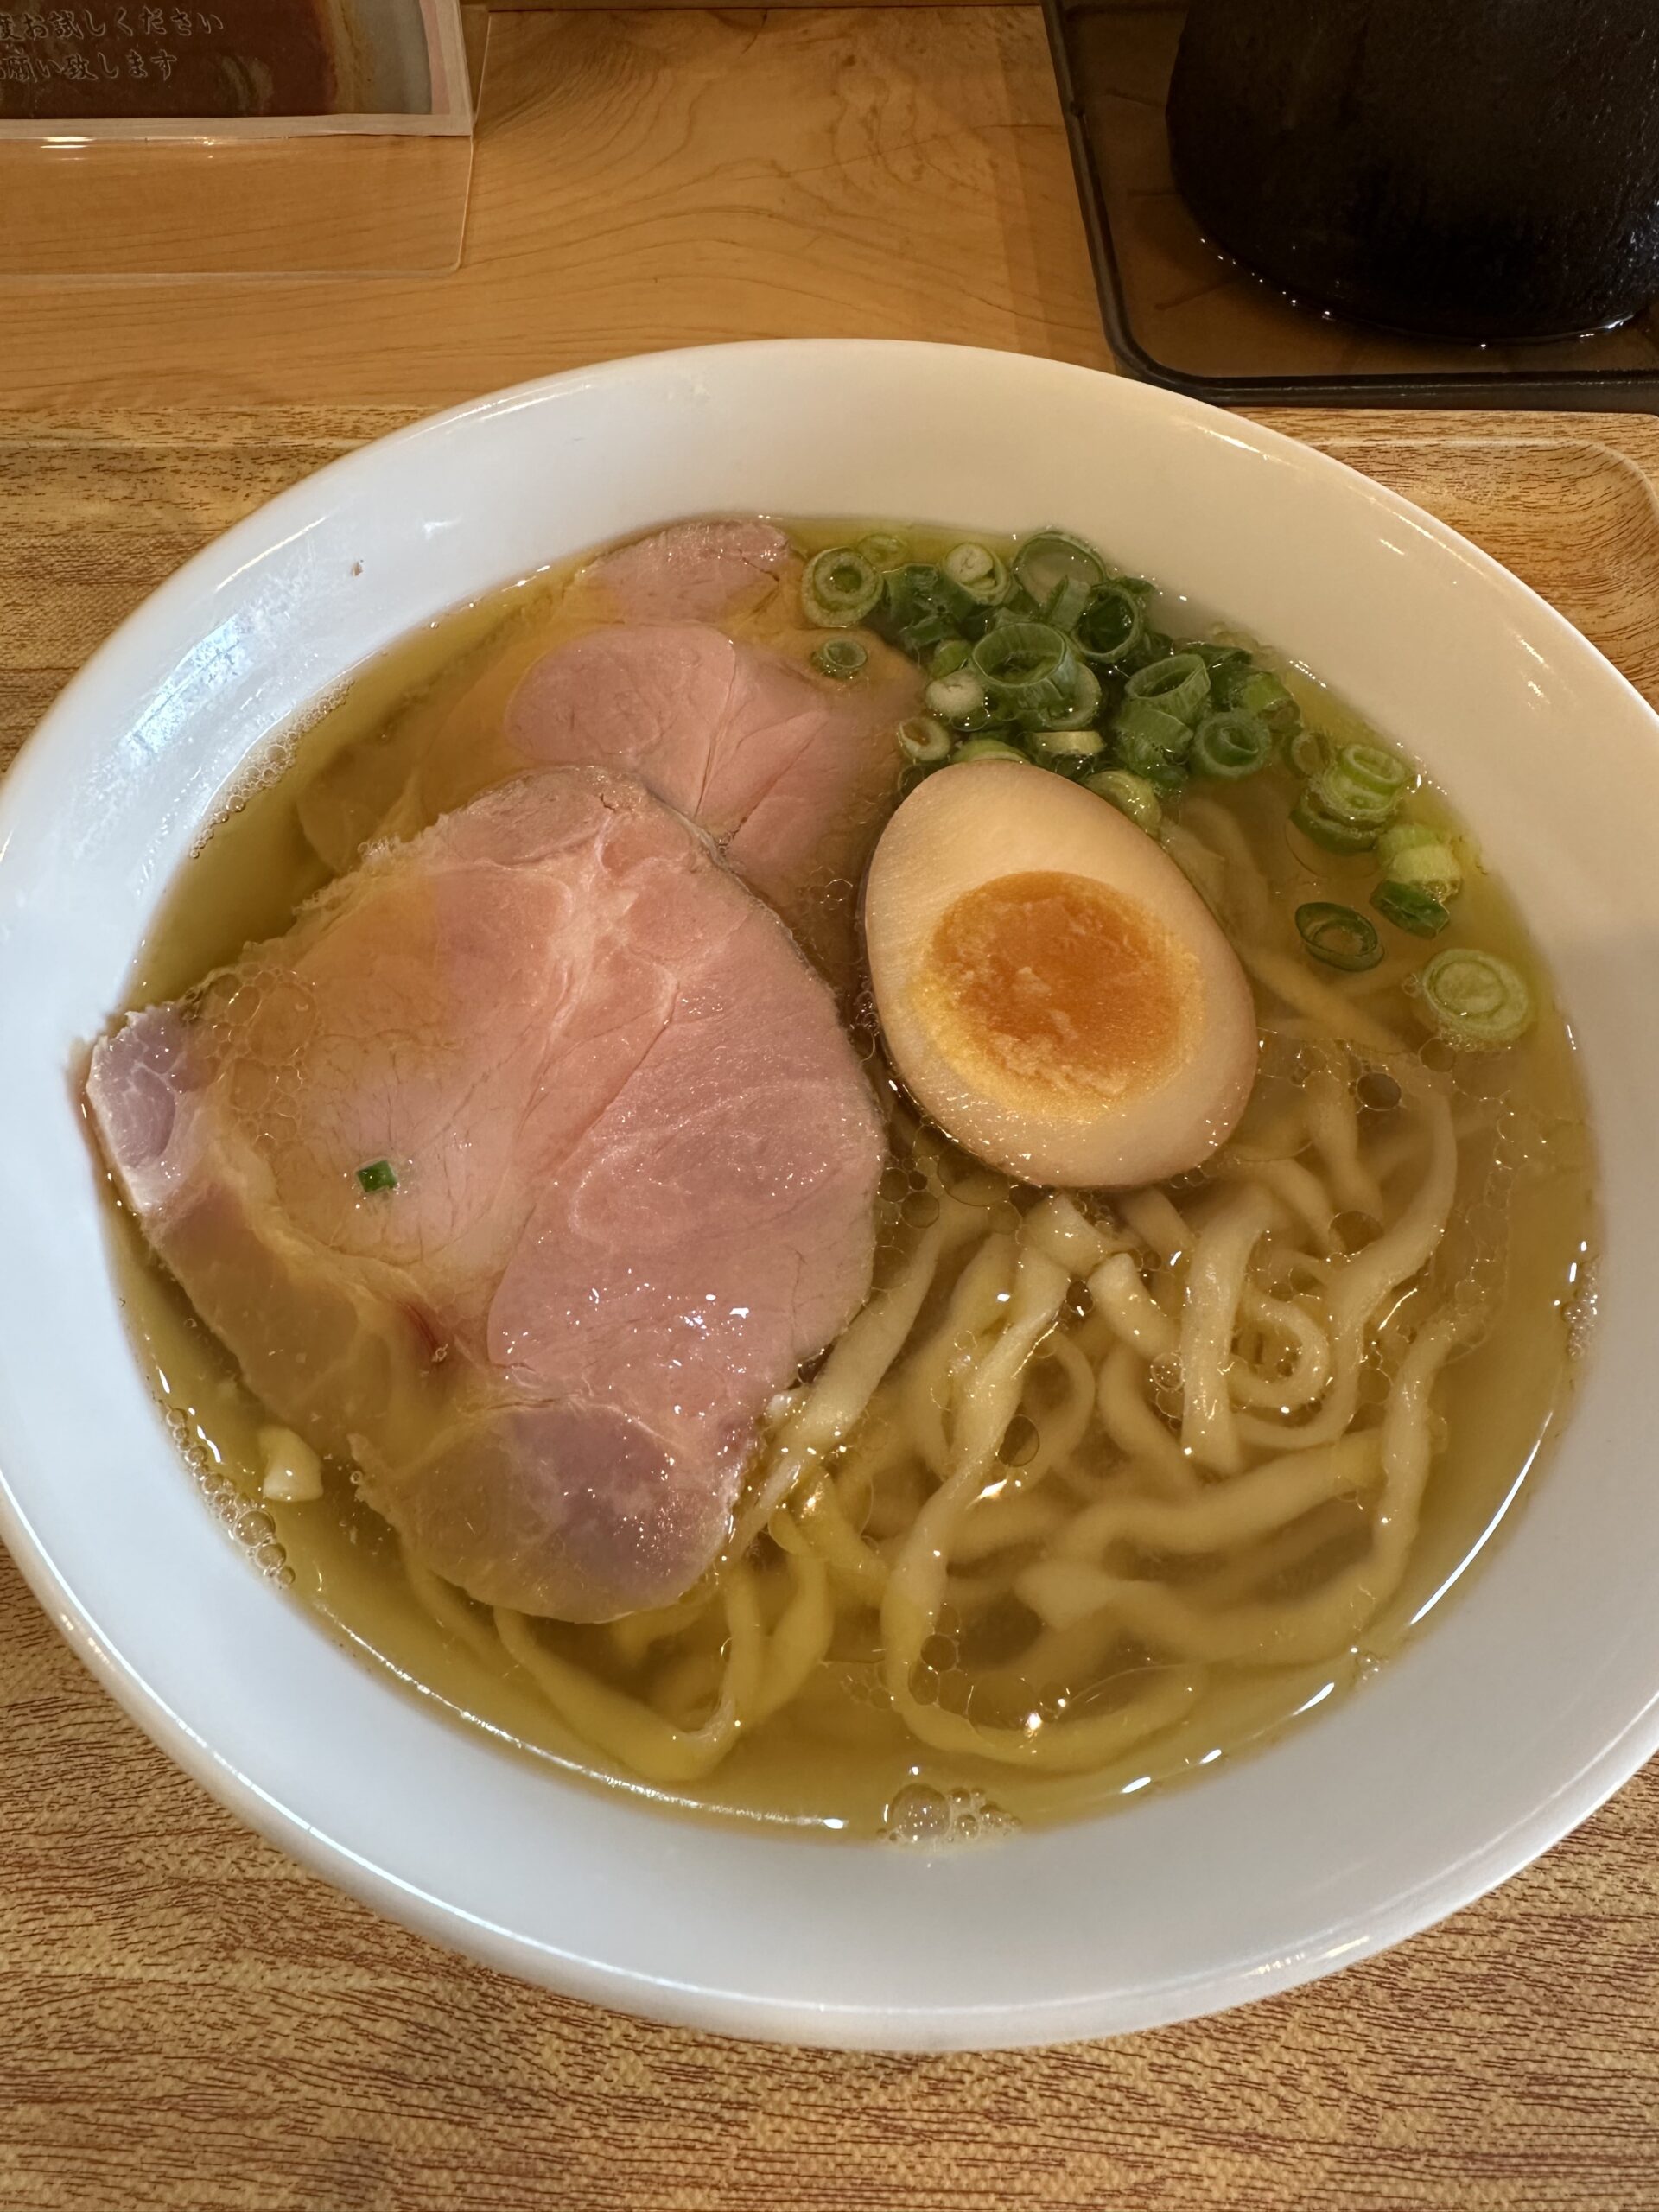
[(836, 1755)]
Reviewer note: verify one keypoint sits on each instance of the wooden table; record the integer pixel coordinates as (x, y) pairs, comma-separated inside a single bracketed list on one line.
[(186, 2019)]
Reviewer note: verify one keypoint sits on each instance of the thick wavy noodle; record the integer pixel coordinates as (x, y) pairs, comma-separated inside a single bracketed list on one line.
[(1090, 1493), (1070, 1461)]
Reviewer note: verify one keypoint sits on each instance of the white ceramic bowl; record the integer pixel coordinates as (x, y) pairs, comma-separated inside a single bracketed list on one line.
[(1514, 1713)]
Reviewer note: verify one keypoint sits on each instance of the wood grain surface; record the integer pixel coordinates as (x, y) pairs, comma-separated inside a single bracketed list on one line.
[(188, 2021), (649, 179)]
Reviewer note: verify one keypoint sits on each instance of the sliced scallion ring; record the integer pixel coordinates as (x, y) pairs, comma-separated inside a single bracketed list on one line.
[(945, 659), (924, 738), (839, 589), (1179, 684), (958, 697), (1056, 570), (1030, 673), (840, 658), (981, 573), (1326, 831), (1018, 657), (1474, 998), (1410, 908), (1416, 853), (1064, 605), (1403, 837), (1305, 750), (1152, 645), (1231, 743), (1111, 626), (1068, 745), (882, 551), (1150, 728), (1361, 783), (1375, 767), (980, 621), (920, 607), (989, 748), (1434, 868), (1076, 703), (1130, 794), (1151, 744), (1259, 691), (1164, 770), (1338, 936)]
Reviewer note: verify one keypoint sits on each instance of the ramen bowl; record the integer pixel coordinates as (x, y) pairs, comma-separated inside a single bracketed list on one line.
[(1507, 1719)]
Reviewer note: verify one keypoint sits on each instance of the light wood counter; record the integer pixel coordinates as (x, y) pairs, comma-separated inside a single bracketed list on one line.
[(650, 178), (187, 2020)]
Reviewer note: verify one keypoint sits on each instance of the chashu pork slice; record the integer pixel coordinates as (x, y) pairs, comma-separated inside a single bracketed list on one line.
[(681, 658), (635, 1159), (791, 773)]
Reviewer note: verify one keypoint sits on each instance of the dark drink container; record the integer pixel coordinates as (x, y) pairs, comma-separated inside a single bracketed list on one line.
[(1480, 169)]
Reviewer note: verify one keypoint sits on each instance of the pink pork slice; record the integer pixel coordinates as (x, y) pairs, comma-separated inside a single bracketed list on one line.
[(682, 659), (790, 772), (636, 1159), (692, 571)]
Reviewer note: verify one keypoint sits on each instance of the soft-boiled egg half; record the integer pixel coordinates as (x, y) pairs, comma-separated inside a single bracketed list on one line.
[(1051, 990)]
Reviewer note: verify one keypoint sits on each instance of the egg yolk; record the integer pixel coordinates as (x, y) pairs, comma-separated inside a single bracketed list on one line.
[(1054, 994)]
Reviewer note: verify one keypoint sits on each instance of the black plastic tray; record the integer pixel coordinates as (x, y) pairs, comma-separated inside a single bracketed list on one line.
[(1180, 312)]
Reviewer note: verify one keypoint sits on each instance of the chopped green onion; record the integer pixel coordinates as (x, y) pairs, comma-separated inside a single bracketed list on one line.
[(1362, 783), (1151, 744), (1375, 767), (1231, 743), (1061, 744), (981, 573), (1031, 675), (882, 549), (1152, 645), (1338, 936), (1409, 907), (1475, 1000), (989, 748), (920, 606), (1058, 572), (1165, 771), (1146, 724), (1017, 659), (1432, 868), (1065, 604), (1404, 838), (946, 660), (1080, 701), (1179, 684), (1305, 750), (1142, 586), (979, 622), (1220, 660), (958, 697), (924, 738), (839, 589), (839, 657), (1326, 831), (378, 1175), (1259, 691), (1130, 794), (968, 565), (1112, 625), (1413, 853)]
